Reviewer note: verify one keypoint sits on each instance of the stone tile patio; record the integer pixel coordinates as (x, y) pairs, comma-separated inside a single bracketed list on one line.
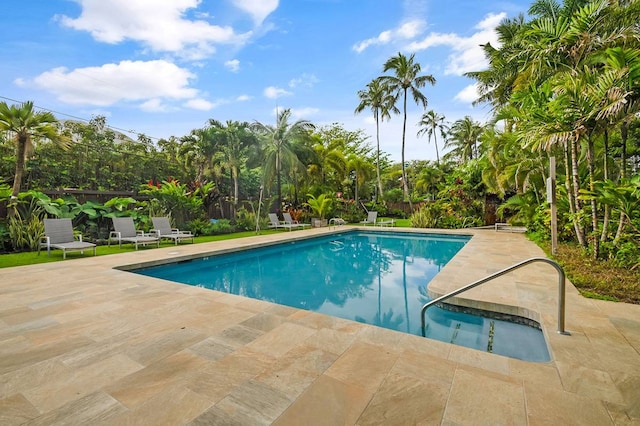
[(84, 343)]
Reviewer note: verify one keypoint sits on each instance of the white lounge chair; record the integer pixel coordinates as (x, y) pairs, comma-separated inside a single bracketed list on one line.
[(58, 233), (288, 220), (372, 217), (162, 228), (125, 230), (274, 222)]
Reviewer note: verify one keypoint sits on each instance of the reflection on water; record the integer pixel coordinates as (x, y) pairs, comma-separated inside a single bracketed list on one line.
[(374, 278), (378, 279)]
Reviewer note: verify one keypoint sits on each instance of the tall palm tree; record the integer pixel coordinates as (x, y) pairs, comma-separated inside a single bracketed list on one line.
[(406, 79), (432, 122), (278, 143), (382, 103), (27, 125)]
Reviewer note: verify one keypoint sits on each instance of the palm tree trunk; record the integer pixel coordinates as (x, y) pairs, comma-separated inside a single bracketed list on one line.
[(234, 173), (624, 133), (405, 184), (605, 175), (278, 180), (377, 160), (576, 191), (594, 205), (567, 180), (435, 143), (19, 172)]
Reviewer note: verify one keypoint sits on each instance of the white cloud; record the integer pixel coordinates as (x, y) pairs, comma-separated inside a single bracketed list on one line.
[(233, 65), (258, 9), (243, 98), (131, 81), (153, 105), (158, 25), (273, 92), (468, 94), (405, 31), (303, 113), (305, 80), (199, 104), (467, 51)]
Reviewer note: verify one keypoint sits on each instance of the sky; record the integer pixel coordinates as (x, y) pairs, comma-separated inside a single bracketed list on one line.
[(164, 68)]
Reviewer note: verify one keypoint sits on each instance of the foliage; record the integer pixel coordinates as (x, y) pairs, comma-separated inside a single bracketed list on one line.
[(427, 216), (348, 210), (393, 195), (25, 233), (518, 209), (28, 126), (406, 80), (381, 208), (381, 101), (320, 205), (604, 279), (183, 203), (221, 226), (245, 219)]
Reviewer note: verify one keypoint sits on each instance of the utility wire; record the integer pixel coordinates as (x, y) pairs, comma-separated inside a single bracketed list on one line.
[(133, 132)]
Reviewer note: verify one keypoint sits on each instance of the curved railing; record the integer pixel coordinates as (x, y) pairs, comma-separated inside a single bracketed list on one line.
[(561, 290)]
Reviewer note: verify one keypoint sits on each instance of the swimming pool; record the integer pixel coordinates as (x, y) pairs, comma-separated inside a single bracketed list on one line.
[(378, 278)]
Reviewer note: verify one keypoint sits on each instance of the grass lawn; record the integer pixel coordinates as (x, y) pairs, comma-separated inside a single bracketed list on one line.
[(31, 258)]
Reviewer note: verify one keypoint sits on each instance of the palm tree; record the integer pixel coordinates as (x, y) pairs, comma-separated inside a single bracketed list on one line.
[(27, 125), (382, 104), (463, 138), (361, 171), (278, 143), (431, 123), (197, 151), (233, 141), (328, 167), (496, 83), (404, 80)]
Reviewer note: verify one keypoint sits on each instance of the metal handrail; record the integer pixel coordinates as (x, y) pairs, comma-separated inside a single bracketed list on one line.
[(561, 290)]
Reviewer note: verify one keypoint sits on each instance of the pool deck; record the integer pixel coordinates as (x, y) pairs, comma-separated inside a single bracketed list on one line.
[(84, 343)]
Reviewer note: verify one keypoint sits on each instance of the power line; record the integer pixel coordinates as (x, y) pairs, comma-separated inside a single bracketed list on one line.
[(133, 132)]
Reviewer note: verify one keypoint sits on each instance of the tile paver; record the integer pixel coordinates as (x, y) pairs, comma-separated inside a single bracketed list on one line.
[(84, 343)]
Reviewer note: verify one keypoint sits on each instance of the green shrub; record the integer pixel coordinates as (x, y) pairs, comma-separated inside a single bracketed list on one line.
[(428, 216), (245, 220), (398, 213), (26, 234), (221, 226), (199, 227), (394, 195)]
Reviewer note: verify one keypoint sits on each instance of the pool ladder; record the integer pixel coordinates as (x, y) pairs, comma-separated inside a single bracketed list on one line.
[(561, 290)]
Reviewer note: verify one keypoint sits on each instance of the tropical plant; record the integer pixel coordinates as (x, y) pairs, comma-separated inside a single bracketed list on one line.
[(233, 140), (378, 98), (320, 205), (177, 199), (463, 139), (277, 147), (406, 79), (432, 123), (27, 125)]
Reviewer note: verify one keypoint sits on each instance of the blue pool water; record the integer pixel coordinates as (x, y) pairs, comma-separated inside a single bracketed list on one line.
[(374, 278)]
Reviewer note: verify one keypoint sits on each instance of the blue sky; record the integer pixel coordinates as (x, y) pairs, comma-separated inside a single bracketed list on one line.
[(163, 68)]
